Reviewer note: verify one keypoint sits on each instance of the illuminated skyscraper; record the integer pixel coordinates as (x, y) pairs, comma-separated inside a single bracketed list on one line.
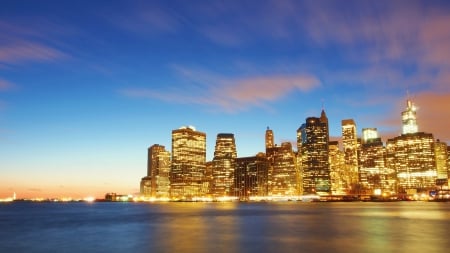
[(440, 150), (282, 174), (156, 184), (448, 165), (338, 174), (412, 154), (251, 176), (224, 164), (409, 119), (187, 175), (412, 157), (314, 151), (374, 176), (269, 138), (350, 145)]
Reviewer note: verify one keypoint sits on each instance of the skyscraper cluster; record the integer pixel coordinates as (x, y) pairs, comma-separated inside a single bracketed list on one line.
[(409, 163)]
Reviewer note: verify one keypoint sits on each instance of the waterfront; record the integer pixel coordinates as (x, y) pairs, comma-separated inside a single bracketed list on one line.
[(225, 227)]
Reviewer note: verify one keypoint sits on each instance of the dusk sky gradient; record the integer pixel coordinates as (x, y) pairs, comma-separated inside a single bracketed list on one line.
[(87, 86)]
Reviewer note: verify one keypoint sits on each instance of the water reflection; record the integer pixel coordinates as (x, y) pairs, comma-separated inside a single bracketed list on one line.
[(226, 227)]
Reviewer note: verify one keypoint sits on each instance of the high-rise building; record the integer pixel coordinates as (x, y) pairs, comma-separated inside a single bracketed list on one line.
[(338, 174), (350, 145), (374, 176), (440, 150), (409, 119), (448, 165), (251, 176), (269, 138), (314, 139), (157, 184), (412, 155), (282, 174), (187, 175), (224, 164)]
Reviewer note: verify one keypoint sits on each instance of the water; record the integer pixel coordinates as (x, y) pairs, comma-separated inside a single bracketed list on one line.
[(225, 227)]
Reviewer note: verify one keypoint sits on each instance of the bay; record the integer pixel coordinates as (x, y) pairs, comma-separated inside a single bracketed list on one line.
[(225, 227)]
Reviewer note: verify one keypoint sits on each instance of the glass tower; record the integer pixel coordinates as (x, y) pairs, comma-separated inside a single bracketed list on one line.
[(188, 168), (350, 145), (412, 154), (269, 138), (409, 119), (282, 174), (251, 177), (224, 164), (314, 151)]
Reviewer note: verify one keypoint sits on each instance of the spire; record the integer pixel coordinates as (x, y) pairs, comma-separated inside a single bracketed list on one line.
[(323, 117), (409, 119)]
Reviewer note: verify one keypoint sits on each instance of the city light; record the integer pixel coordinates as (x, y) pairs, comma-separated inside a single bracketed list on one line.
[(364, 169)]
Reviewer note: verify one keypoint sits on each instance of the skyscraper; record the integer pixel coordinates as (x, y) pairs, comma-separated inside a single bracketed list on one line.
[(314, 151), (224, 164), (409, 119), (282, 173), (373, 175), (156, 184), (350, 145), (251, 176), (412, 154), (188, 163), (338, 174), (440, 149), (269, 138), (158, 169)]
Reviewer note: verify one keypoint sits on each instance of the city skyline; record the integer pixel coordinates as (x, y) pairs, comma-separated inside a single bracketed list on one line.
[(85, 89)]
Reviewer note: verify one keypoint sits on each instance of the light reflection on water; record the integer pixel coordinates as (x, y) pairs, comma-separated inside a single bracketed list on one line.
[(225, 227)]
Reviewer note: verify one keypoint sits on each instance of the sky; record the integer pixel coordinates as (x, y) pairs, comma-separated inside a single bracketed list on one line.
[(87, 86)]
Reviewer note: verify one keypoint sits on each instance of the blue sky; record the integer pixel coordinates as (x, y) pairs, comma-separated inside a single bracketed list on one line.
[(87, 86)]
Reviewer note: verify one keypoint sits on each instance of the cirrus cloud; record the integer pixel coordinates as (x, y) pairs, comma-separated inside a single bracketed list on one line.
[(232, 95)]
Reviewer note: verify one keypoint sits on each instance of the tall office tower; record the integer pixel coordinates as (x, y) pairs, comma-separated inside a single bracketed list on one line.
[(282, 174), (314, 151), (157, 184), (251, 176), (224, 164), (440, 150), (448, 164), (338, 176), (409, 119), (187, 177), (350, 145), (412, 155), (269, 138), (374, 176)]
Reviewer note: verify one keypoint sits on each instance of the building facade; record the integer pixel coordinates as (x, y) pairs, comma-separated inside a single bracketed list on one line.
[(350, 146), (224, 164), (157, 183), (440, 150), (412, 154), (338, 172), (251, 177), (314, 150), (282, 175), (188, 168)]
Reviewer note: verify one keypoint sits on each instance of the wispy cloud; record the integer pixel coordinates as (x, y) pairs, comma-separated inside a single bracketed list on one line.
[(24, 44), (6, 86), (230, 95), (146, 18), (28, 51)]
